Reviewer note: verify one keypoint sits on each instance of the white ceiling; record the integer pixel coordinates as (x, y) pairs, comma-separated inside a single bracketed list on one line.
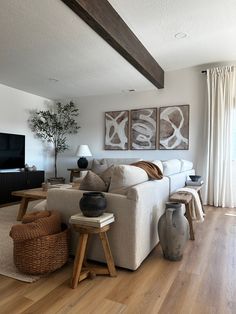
[(43, 40)]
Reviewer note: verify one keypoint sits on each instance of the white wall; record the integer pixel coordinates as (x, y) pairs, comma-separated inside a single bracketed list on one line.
[(181, 87), (15, 106)]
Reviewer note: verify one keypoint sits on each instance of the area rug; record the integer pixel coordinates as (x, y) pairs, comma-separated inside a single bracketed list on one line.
[(7, 268)]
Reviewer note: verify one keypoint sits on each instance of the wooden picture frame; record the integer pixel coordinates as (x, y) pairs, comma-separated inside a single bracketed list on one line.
[(116, 130), (143, 129), (174, 127)]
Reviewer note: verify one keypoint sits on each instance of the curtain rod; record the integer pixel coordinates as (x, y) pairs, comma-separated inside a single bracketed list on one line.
[(205, 72)]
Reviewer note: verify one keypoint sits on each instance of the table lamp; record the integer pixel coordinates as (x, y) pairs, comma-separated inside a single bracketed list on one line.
[(82, 152)]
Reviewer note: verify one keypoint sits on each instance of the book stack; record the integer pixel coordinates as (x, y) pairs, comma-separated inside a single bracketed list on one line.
[(98, 222), (194, 183)]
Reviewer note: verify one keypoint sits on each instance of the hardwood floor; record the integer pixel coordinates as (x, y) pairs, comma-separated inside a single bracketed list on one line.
[(203, 282)]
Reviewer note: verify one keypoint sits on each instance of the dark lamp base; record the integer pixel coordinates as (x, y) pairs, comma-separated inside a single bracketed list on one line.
[(82, 163)]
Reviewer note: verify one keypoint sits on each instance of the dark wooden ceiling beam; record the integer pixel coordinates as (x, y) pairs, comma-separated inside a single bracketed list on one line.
[(105, 21)]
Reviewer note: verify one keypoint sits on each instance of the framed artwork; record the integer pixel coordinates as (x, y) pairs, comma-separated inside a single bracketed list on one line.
[(116, 130), (143, 128), (174, 127)]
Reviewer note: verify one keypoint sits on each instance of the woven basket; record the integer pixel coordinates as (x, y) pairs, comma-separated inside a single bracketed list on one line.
[(42, 255)]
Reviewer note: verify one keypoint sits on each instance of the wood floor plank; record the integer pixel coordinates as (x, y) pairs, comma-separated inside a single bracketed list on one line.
[(181, 294), (198, 249), (15, 305), (203, 282), (144, 291), (44, 286)]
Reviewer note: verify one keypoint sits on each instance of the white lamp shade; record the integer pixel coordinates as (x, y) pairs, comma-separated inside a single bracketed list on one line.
[(83, 151)]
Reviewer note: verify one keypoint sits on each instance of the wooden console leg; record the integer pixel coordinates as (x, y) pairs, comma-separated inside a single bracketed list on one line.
[(23, 208), (108, 255), (188, 215), (79, 258)]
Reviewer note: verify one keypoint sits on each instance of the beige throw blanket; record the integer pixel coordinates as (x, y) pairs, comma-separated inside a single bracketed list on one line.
[(196, 208), (152, 170)]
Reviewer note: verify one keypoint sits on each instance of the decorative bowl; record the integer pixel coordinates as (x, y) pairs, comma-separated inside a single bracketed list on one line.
[(93, 204), (195, 178)]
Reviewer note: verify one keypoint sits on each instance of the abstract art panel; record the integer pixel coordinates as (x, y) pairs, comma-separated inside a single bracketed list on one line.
[(174, 127), (116, 130), (143, 128)]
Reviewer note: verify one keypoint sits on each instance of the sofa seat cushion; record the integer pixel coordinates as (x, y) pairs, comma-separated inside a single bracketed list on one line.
[(125, 176), (171, 166)]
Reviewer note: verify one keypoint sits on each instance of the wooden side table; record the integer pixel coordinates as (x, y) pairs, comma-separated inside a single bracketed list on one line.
[(80, 272), (75, 172)]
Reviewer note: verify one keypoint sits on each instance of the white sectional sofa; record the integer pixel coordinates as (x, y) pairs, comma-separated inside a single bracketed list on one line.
[(137, 204)]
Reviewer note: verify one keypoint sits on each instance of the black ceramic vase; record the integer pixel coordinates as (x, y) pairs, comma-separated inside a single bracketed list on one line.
[(93, 204)]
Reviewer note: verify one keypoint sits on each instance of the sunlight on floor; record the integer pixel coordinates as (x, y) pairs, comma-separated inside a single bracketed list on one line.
[(231, 213)]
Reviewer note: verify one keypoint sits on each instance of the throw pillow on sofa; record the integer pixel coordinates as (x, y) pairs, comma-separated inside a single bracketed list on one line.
[(125, 176), (106, 176), (92, 182)]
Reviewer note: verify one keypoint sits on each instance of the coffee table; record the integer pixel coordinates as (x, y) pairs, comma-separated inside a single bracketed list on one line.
[(26, 197)]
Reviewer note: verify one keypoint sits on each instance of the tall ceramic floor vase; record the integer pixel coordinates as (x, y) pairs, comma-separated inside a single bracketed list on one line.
[(173, 230)]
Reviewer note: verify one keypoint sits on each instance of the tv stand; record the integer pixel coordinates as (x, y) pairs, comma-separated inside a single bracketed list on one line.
[(14, 181)]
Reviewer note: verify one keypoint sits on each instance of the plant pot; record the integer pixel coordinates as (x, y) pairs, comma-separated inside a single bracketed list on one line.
[(93, 204), (173, 230), (59, 180)]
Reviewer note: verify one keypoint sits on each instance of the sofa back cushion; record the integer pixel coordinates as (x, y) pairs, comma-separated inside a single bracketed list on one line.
[(121, 161), (186, 165), (171, 166), (159, 164), (125, 176), (99, 165)]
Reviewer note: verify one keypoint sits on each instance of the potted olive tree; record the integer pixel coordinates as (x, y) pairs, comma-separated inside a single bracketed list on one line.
[(52, 126)]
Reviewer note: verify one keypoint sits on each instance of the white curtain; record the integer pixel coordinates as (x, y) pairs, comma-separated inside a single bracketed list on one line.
[(218, 164)]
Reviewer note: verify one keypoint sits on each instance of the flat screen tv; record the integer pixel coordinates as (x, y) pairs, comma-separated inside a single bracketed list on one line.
[(12, 151)]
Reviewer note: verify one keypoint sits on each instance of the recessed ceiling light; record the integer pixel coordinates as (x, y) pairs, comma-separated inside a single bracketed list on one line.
[(180, 35), (52, 79)]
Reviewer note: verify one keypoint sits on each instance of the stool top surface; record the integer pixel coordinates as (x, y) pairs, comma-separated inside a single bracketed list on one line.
[(181, 197)]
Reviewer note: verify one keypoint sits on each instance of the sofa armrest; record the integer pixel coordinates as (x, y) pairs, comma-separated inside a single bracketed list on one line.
[(66, 201)]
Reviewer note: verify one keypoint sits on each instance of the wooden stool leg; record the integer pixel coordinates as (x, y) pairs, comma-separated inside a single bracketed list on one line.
[(108, 255), (79, 258), (85, 264), (188, 215), (200, 198), (23, 208)]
